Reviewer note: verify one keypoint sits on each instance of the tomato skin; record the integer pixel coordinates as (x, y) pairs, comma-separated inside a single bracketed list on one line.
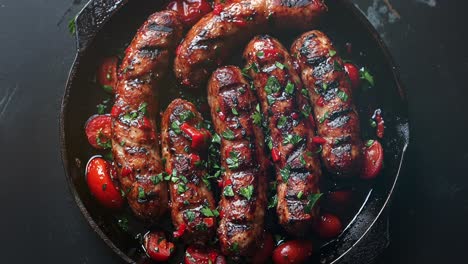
[(157, 247), (99, 126), (373, 161), (328, 226), (100, 184), (195, 255), (293, 251), (265, 250), (190, 11), (107, 73), (353, 73)]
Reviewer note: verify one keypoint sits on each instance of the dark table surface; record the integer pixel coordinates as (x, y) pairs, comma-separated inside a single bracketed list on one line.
[(42, 224)]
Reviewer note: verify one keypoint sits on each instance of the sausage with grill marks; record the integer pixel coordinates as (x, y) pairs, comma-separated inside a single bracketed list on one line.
[(331, 96), (243, 199), (287, 113), (193, 208), (135, 144), (213, 38)]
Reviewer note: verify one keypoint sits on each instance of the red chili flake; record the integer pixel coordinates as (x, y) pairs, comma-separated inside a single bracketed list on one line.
[(126, 171), (199, 137), (228, 182), (209, 221), (217, 9), (213, 256), (115, 112), (320, 101), (194, 159), (275, 154), (222, 116), (270, 53), (295, 115), (180, 231), (319, 140), (240, 23), (168, 170)]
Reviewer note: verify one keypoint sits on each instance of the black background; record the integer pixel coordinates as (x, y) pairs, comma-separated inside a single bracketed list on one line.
[(40, 222)]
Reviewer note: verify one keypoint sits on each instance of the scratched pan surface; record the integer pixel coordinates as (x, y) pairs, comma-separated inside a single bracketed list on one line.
[(105, 27)]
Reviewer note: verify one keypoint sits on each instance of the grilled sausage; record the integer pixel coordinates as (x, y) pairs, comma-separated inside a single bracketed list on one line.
[(243, 199), (323, 75), (134, 140), (213, 38), (287, 114), (193, 208)]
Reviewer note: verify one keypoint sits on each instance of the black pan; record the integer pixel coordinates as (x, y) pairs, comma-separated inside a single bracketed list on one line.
[(104, 27)]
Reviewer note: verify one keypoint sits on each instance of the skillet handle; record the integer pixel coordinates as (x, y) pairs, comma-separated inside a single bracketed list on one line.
[(91, 19)]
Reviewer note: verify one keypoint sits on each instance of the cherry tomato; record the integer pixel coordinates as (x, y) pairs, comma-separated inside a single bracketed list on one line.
[(157, 247), (99, 130), (294, 251), (353, 73), (373, 160), (195, 255), (265, 250), (107, 73), (100, 184), (328, 226), (190, 11)]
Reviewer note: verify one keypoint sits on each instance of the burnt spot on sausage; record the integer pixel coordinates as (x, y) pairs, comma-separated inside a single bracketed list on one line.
[(339, 118), (341, 150), (158, 27), (295, 3), (150, 52)]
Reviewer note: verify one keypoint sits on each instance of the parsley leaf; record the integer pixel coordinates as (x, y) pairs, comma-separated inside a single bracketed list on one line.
[(247, 191), (260, 54), (208, 212), (337, 66), (190, 215), (186, 115), (365, 75), (228, 191), (292, 139), (369, 143), (176, 127), (157, 178), (257, 116), (332, 53), (285, 173), (279, 65), (281, 122), (216, 139), (342, 95), (228, 134), (233, 160), (313, 198), (234, 111), (272, 85), (273, 202), (289, 88)]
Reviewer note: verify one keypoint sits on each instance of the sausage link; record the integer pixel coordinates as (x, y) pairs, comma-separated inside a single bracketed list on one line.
[(331, 96), (213, 38), (243, 199), (287, 114), (134, 140), (192, 205)]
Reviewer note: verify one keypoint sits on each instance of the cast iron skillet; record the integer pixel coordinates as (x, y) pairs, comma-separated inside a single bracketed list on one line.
[(103, 27)]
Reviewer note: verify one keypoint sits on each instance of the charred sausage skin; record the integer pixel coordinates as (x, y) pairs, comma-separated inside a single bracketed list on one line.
[(192, 202), (287, 113), (213, 38), (331, 96), (135, 145), (243, 199)]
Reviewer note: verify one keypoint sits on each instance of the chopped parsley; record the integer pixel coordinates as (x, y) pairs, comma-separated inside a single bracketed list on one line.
[(233, 160), (372, 123), (292, 139), (107, 88), (141, 193), (234, 111), (306, 110), (176, 127), (272, 85), (190, 215), (228, 191), (342, 95), (332, 53), (285, 173), (101, 108), (186, 115), (289, 88), (209, 213), (337, 66), (181, 188), (155, 179), (369, 143), (299, 195), (324, 117), (260, 54), (302, 160), (228, 134), (105, 145), (142, 108), (247, 191), (281, 122), (273, 201), (279, 65), (216, 139), (312, 200), (364, 74), (245, 71), (72, 26), (257, 116), (234, 247)]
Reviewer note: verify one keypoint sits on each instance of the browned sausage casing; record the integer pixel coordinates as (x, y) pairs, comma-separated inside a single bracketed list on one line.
[(213, 38), (243, 199), (134, 141), (287, 113), (192, 202), (330, 91)]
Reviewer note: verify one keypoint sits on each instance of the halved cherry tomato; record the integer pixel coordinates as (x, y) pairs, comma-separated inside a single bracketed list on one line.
[(265, 250), (353, 73), (200, 137), (100, 183), (195, 255), (190, 11), (157, 247), (99, 131), (107, 73), (294, 251), (373, 160), (328, 226)]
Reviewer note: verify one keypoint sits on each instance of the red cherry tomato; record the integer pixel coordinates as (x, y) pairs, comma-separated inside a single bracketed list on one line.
[(100, 184), (107, 73), (328, 226), (99, 130), (294, 251), (157, 247), (353, 73), (194, 255), (265, 250), (190, 11), (373, 160)]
